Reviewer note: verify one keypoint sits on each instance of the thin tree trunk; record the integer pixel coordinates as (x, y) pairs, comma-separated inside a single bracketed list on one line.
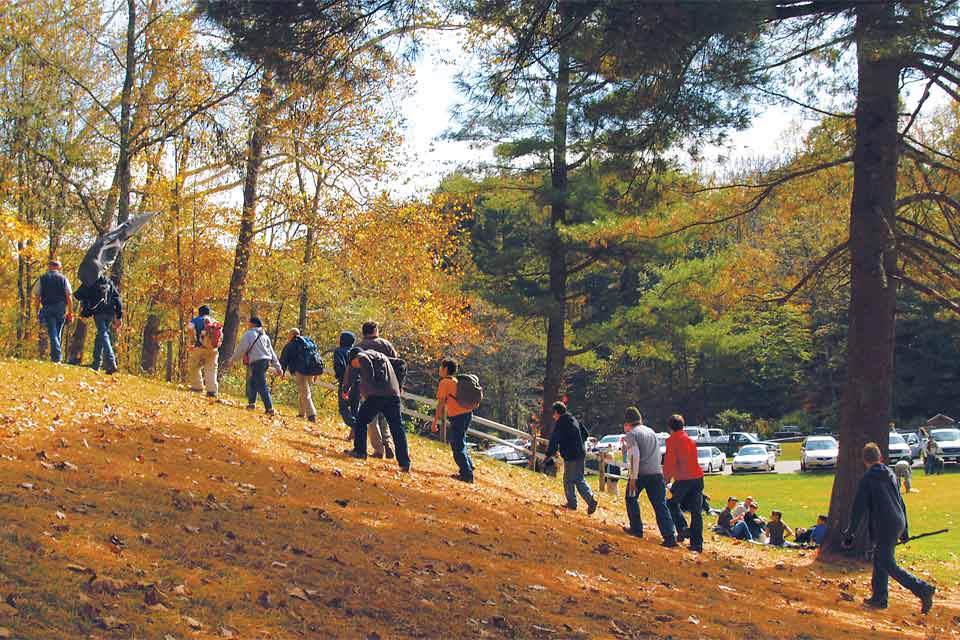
[(865, 405), (77, 343), (150, 350), (556, 311), (304, 284), (123, 158), (241, 261)]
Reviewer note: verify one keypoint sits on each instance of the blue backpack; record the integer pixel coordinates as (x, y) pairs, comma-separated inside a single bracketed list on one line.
[(311, 364)]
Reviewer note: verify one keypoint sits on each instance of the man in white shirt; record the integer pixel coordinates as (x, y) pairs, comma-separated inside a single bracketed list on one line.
[(643, 455)]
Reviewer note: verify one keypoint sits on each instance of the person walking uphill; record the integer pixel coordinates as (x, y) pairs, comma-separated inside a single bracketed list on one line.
[(680, 464), (643, 455), (381, 395), (348, 408), (878, 501), (258, 355), (106, 314), (297, 357), (459, 416), (54, 305), (380, 438), (203, 356), (568, 438)]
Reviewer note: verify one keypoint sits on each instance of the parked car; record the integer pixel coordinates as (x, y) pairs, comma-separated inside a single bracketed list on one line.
[(697, 433), (948, 439), (716, 433), (508, 454), (898, 449), (612, 443), (711, 459), (736, 440), (788, 431), (819, 452), (913, 441), (662, 439), (754, 457)]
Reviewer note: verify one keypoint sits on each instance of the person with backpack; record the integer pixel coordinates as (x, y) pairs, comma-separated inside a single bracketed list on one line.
[(107, 312), (54, 305), (347, 407), (256, 352), (204, 352), (301, 358), (380, 389), (457, 397), (568, 437), (380, 438)]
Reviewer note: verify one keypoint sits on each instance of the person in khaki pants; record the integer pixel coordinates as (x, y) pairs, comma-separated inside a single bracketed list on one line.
[(204, 353), (291, 360)]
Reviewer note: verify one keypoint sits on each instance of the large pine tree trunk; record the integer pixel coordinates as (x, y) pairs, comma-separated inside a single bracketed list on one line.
[(865, 406), (556, 312), (241, 260)]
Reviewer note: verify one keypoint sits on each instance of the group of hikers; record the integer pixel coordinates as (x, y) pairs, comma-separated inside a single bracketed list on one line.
[(370, 377)]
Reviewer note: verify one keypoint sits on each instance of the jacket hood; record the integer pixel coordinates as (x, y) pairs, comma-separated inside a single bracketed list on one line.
[(347, 338)]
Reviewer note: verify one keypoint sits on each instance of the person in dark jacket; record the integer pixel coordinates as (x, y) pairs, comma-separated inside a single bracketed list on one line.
[(293, 359), (568, 437), (54, 305), (348, 407), (109, 313), (878, 501)]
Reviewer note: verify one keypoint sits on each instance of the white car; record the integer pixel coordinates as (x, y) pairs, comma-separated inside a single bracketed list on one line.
[(697, 433), (819, 452), (898, 449), (754, 457), (505, 453), (662, 439), (612, 443), (711, 459), (948, 443)]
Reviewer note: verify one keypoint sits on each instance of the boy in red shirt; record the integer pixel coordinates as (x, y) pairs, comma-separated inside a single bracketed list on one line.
[(459, 417), (680, 465)]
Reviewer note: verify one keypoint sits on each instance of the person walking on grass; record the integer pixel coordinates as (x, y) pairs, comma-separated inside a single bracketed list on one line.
[(568, 438), (293, 358), (380, 389), (643, 457), (380, 438), (256, 352), (878, 501), (347, 407), (107, 314), (680, 465), (54, 305), (203, 352), (459, 417)]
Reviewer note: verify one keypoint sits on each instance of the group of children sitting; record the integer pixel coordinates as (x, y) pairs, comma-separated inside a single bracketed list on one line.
[(742, 521)]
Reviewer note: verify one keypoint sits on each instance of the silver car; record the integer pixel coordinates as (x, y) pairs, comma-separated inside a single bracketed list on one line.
[(819, 452)]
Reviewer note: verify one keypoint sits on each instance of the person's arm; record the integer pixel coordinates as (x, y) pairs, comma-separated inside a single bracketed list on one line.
[(861, 504), (441, 405), (906, 524), (633, 455), (670, 462), (241, 349), (346, 384), (69, 301), (274, 360), (789, 531), (285, 357), (554, 443)]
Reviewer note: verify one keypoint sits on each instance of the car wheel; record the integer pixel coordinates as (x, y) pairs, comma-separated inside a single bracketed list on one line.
[(773, 467), (710, 468), (723, 466), (803, 466)]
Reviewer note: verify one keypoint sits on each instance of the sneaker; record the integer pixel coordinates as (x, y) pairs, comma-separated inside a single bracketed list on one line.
[(926, 600), (670, 543), (631, 532), (311, 418), (388, 451), (405, 469), (271, 412), (592, 509), (568, 507), (696, 549), (251, 407), (457, 476), (873, 603)]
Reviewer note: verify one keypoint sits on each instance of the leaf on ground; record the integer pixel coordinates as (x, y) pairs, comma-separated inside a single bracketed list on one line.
[(193, 623), (298, 593)]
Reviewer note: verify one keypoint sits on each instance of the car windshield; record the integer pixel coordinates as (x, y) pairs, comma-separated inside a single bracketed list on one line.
[(946, 435), (692, 431), (609, 439), (820, 445), (896, 438), (703, 453), (753, 451)]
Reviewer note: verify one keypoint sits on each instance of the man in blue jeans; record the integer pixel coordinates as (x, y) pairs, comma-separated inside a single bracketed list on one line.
[(54, 305), (643, 455), (380, 390), (568, 437), (109, 313), (255, 347), (680, 464), (459, 417)]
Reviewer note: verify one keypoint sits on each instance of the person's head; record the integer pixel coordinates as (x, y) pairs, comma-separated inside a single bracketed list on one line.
[(732, 502), (352, 356), (204, 310), (255, 322), (748, 501), (54, 265), (558, 410), (293, 333), (821, 519), (347, 338), (449, 367), (676, 423), (871, 454), (631, 417), (776, 516), (754, 506), (370, 329)]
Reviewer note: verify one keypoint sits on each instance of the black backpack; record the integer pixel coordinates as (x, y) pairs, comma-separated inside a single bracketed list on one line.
[(94, 298), (311, 362), (399, 369)]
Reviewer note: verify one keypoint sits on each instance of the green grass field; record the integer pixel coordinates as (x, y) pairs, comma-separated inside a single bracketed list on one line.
[(801, 497), (789, 451)]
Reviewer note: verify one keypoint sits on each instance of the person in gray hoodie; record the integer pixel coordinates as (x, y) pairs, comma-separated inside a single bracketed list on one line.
[(370, 340), (257, 351), (381, 395), (643, 456)]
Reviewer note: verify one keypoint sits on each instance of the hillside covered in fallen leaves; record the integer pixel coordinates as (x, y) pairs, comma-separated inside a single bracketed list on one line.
[(130, 509)]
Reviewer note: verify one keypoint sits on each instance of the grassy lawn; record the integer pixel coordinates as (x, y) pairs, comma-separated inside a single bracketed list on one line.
[(801, 497), (789, 451)]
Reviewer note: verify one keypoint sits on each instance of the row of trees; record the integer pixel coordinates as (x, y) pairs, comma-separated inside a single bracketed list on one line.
[(588, 259)]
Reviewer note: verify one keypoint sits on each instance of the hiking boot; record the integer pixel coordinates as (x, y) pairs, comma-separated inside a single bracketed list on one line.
[(568, 507), (377, 454), (405, 469), (110, 370), (196, 390), (270, 412), (251, 407), (592, 509), (926, 600), (353, 454), (212, 394), (873, 603), (681, 536), (670, 543), (696, 549), (388, 452), (631, 532), (462, 478), (311, 418)]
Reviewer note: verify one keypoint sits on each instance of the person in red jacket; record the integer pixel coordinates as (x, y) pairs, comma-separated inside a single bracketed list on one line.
[(680, 465)]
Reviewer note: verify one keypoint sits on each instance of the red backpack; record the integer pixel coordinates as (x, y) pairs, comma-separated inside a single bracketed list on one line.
[(212, 335)]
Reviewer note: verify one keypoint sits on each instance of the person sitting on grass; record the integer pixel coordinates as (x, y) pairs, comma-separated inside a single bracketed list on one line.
[(755, 522), (815, 535), (776, 529), (726, 520)]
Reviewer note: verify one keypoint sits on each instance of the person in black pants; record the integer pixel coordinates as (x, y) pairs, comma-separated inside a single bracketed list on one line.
[(681, 465), (878, 500), (643, 454)]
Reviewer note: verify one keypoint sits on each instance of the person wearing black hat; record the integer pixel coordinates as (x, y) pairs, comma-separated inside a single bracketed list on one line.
[(207, 335), (257, 353), (643, 454)]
